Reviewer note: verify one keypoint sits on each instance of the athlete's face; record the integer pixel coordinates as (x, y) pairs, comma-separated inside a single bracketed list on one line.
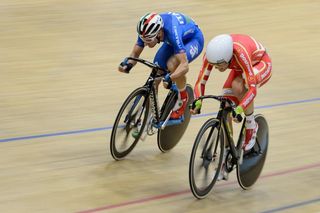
[(151, 42), (221, 66)]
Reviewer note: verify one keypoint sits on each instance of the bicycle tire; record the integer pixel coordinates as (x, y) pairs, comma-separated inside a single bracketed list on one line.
[(253, 161), (197, 191), (136, 97)]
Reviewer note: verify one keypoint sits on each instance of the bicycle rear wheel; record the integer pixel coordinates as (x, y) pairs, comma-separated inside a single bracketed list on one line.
[(129, 124), (253, 161), (169, 137), (206, 158)]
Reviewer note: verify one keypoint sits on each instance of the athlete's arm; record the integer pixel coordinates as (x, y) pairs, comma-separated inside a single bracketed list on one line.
[(199, 87), (135, 53)]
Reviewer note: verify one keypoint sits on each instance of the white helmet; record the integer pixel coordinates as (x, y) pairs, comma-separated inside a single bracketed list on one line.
[(220, 49), (149, 25)]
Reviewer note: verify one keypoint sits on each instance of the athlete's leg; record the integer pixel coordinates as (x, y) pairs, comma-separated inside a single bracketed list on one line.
[(235, 89), (193, 49), (180, 106), (262, 71), (232, 87), (162, 56), (239, 89), (228, 92), (172, 65)]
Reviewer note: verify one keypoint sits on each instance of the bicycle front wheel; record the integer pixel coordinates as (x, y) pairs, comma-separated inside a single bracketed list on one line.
[(129, 124), (206, 158)]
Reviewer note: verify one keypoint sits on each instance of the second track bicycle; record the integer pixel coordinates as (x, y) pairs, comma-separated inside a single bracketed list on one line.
[(215, 147)]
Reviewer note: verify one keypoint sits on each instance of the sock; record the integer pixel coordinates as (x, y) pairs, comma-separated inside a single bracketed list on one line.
[(183, 93), (250, 123)]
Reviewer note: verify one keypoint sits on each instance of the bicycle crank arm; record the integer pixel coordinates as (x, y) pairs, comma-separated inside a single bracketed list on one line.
[(163, 125), (169, 122), (241, 157)]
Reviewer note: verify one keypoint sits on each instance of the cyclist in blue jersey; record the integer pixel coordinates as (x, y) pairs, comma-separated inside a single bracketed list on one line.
[(182, 43)]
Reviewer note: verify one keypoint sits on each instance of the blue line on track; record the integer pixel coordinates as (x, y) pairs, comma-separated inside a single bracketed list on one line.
[(55, 134), (295, 205), (110, 127)]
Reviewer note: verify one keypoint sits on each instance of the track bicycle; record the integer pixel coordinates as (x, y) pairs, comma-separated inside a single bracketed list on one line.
[(215, 147), (140, 115)]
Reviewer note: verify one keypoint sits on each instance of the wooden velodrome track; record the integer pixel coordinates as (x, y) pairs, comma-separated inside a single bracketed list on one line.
[(60, 93)]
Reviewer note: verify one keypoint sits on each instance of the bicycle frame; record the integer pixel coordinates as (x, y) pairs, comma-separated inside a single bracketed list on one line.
[(149, 85), (151, 91), (226, 107), (235, 149)]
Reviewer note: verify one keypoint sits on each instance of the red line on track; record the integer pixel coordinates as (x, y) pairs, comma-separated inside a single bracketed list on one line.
[(174, 194)]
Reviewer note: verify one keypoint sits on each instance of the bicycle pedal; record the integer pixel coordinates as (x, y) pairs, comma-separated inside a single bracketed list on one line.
[(241, 156)]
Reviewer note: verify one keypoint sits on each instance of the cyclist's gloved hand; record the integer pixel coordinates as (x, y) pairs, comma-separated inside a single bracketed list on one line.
[(195, 107), (167, 82), (125, 66), (237, 114)]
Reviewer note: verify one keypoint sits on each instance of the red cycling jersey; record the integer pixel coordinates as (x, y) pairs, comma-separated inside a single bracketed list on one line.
[(249, 60)]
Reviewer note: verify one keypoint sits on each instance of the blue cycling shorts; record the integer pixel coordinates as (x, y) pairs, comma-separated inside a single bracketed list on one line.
[(193, 47)]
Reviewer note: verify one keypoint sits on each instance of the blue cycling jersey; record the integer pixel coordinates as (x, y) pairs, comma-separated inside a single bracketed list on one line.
[(178, 29)]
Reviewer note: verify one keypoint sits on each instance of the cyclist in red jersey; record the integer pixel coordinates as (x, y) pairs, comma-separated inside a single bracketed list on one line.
[(250, 68)]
